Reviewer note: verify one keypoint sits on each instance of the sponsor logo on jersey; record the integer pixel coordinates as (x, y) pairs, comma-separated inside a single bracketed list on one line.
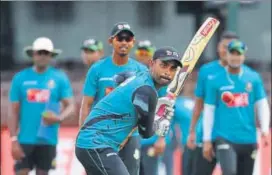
[(249, 87), (224, 88), (240, 100), (38, 95), (30, 83), (51, 84)]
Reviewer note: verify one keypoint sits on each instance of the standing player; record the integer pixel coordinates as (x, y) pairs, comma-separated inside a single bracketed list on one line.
[(182, 117), (131, 106), (144, 52), (233, 123), (205, 167), (99, 83), (149, 160), (92, 51), (31, 89)]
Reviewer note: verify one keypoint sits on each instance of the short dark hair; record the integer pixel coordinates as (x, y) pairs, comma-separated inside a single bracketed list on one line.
[(229, 35)]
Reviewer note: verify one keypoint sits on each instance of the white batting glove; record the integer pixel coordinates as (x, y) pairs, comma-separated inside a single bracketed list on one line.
[(162, 123)]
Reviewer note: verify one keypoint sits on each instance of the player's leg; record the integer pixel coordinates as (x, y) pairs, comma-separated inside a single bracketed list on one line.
[(187, 161), (168, 157), (44, 156), (148, 165), (24, 166), (101, 161), (227, 157), (130, 155), (201, 166), (246, 159)]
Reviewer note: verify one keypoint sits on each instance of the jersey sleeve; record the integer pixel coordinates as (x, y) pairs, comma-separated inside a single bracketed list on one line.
[(91, 81), (14, 92), (259, 91), (66, 87), (200, 85), (145, 100), (211, 92)]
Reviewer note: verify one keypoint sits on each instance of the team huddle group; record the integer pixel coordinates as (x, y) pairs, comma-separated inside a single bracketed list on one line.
[(121, 131)]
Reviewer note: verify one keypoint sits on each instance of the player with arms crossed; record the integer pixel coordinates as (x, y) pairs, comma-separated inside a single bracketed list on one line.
[(233, 121), (131, 106), (32, 89), (99, 82), (194, 141)]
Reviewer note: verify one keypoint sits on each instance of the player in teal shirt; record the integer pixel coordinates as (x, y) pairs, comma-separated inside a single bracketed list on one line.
[(201, 166), (99, 82), (233, 122), (92, 51), (131, 106), (31, 91)]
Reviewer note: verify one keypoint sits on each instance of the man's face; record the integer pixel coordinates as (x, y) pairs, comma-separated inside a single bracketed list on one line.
[(235, 59), (122, 43), (143, 56), (89, 57), (163, 72), (222, 48), (41, 58)]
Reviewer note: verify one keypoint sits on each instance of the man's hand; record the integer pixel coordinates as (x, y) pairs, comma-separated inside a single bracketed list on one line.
[(265, 138), (162, 123), (49, 118), (159, 146), (191, 141), (208, 151), (17, 151)]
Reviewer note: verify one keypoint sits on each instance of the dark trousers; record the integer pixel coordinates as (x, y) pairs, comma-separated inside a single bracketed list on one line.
[(235, 159), (148, 165), (193, 162)]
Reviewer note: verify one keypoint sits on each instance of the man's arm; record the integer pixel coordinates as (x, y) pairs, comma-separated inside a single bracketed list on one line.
[(69, 108), (263, 113), (199, 93), (208, 120), (67, 99), (14, 106), (144, 100), (196, 113), (13, 118), (262, 106), (85, 109), (89, 92)]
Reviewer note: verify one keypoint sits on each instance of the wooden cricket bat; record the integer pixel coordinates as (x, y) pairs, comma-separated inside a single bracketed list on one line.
[(190, 57)]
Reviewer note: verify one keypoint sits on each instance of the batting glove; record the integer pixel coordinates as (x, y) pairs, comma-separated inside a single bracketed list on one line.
[(162, 122)]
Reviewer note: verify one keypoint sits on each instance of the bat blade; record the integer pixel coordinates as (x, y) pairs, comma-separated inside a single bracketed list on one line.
[(192, 54)]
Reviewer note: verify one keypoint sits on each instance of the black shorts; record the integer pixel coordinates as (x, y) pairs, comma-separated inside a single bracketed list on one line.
[(37, 156), (235, 158), (104, 161)]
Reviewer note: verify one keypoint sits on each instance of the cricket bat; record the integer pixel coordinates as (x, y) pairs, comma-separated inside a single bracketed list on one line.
[(190, 57)]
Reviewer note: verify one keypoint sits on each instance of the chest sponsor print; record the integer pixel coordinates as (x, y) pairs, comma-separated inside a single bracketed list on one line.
[(38, 95), (240, 100)]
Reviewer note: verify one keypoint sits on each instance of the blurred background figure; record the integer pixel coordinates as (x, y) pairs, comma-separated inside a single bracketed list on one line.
[(92, 51), (35, 94), (144, 51)]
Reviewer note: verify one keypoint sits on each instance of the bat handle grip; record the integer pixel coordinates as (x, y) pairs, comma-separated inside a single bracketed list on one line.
[(161, 110)]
